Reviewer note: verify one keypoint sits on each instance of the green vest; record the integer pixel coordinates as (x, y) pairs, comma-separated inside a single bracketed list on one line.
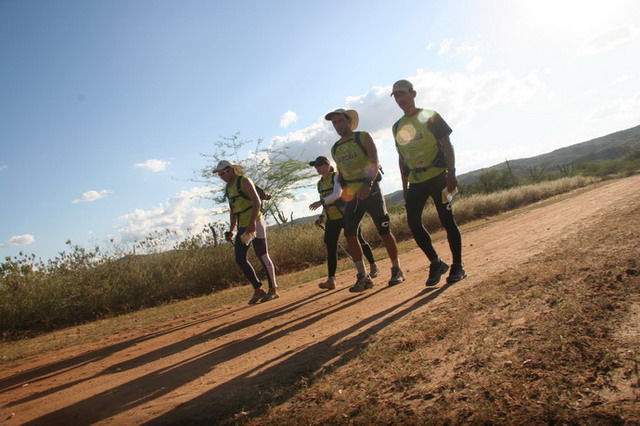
[(325, 188), (352, 161), (418, 147), (239, 202)]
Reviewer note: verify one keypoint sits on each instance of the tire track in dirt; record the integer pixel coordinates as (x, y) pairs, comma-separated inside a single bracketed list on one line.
[(217, 363)]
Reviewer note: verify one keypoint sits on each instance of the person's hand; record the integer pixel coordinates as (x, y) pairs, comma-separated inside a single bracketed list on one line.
[(452, 182), (228, 236), (315, 205), (318, 223), (364, 191)]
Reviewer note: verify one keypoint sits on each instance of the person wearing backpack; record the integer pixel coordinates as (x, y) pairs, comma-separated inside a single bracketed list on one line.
[(428, 169), (245, 213), (330, 191), (356, 157)]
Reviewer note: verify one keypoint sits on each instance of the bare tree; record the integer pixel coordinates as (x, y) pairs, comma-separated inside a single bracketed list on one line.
[(271, 168)]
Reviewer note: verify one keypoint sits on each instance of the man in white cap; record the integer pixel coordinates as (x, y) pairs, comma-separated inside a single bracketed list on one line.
[(428, 168), (245, 213), (356, 157)]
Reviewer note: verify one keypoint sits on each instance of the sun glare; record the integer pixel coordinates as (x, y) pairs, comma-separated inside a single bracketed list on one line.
[(570, 15)]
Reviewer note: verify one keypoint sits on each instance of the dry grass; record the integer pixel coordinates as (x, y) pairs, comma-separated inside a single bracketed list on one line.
[(553, 342)]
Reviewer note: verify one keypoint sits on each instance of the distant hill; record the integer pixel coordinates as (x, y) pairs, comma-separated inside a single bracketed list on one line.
[(607, 147)]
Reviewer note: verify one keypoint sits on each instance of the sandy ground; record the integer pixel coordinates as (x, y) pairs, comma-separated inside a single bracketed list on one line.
[(214, 363)]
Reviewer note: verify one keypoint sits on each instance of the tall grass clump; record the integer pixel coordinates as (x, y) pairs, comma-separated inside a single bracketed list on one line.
[(82, 285)]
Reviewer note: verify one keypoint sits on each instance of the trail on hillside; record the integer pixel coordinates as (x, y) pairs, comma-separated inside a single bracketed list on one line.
[(216, 364)]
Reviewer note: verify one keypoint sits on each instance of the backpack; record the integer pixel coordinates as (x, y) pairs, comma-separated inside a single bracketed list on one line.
[(356, 138), (439, 161), (262, 195)]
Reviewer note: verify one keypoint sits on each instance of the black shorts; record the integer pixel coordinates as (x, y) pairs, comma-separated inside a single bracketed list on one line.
[(374, 204)]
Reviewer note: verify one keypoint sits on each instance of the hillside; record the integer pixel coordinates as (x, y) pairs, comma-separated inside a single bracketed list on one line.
[(609, 147), (544, 330)]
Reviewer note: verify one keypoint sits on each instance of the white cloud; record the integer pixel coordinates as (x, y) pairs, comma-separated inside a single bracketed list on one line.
[(430, 45), (288, 118), (445, 45), (467, 48), (153, 165), (2, 166), (474, 64), (609, 39), (178, 215), (19, 240), (93, 196), (620, 79), (625, 111)]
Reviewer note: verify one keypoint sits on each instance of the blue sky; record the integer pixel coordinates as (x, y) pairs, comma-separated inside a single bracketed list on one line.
[(106, 106)]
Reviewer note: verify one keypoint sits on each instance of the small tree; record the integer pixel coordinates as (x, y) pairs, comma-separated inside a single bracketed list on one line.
[(271, 168)]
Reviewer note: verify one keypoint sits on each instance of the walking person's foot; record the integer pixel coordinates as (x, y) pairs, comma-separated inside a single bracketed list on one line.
[(329, 284), (457, 273), (363, 282), (435, 272), (397, 276), (257, 296)]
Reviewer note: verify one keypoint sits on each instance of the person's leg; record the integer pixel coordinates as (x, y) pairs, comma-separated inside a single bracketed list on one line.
[(331, 236), (417, 196), (454, 238), (366, 248), (261, 249), (353, 212), (368, 254), (377, 208), (242, 259), (241, 255)]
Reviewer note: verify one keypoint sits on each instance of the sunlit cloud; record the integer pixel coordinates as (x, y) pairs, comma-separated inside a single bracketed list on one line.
[(90, 196), (288, 118), (445, 45), (625, 111), (467, 48), (19, 241), (153, 165), (609, 39), (474, 64), (179, 215)]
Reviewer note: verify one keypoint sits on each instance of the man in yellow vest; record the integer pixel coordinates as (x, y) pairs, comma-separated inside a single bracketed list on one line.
[(245, 213), (356, 157), (428, 168)]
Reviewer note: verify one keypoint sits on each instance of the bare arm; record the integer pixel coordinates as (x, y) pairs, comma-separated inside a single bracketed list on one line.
[(372, 170), (403, 176), (450, 156)]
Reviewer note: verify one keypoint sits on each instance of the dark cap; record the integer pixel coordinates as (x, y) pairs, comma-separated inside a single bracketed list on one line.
[(319, 161), (402, 86)]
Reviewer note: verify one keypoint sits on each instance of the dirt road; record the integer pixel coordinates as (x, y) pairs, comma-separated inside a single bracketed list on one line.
[(218, 363)]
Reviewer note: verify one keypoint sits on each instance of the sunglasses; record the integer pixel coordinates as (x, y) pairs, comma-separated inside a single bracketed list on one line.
[(222, 172)]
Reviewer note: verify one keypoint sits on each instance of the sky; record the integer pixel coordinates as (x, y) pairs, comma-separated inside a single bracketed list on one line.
[(106, 107)]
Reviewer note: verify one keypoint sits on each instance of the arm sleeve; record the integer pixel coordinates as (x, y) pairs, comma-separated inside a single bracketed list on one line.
[(337, 191)]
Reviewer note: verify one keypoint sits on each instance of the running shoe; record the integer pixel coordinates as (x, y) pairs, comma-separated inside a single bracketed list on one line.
[(457, 273), (329, 284), (397, 276), (435, 272), (363, 282)]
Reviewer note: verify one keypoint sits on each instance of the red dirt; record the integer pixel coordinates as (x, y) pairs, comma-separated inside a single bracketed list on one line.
[(212, 365)]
